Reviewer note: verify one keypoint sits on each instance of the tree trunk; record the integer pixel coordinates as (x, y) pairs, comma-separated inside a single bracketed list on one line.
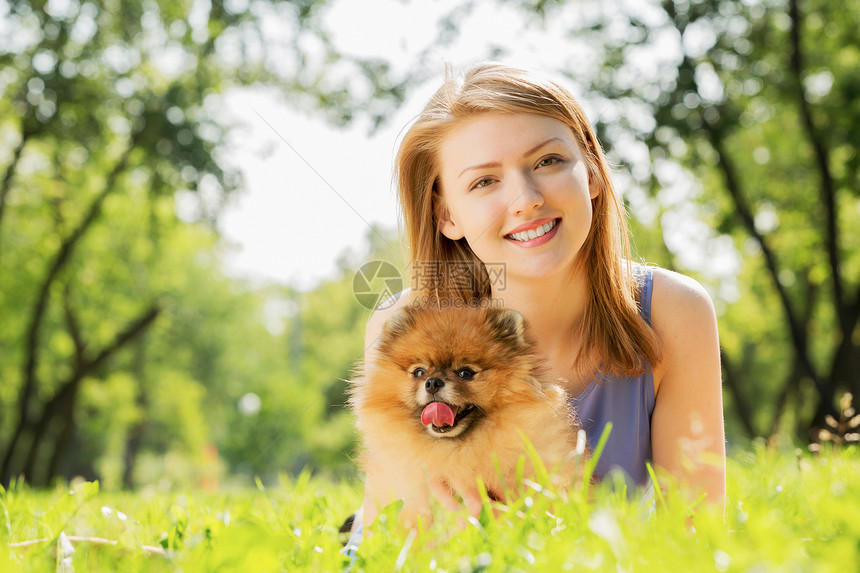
[(741, 404), (31, 345), (66, 396), (67, 430), (138, 431)]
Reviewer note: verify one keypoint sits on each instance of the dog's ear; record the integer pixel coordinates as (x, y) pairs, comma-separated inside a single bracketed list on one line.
[(511, 325), (401, 320)]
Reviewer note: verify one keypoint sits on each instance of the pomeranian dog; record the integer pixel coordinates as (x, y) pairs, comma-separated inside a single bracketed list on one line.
[(450, 396)]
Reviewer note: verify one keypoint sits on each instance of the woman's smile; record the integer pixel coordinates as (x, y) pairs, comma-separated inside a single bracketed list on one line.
[(534, 234)]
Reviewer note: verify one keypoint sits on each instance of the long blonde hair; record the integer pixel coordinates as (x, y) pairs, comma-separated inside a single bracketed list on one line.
[(612, 329)]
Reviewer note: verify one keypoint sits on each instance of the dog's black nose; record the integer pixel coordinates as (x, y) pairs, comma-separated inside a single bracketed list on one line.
[(433, 385)]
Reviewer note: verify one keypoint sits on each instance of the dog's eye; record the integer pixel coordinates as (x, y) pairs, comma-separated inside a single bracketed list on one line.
[(465, 373), (418, 372)]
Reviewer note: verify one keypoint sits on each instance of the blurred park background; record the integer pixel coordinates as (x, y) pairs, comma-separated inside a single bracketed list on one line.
[(136, 350)]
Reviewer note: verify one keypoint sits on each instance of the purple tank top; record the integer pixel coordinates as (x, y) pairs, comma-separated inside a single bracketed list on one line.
[(628, 403)]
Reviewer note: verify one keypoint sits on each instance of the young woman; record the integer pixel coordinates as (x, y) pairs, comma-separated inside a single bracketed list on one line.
[(502, 180)]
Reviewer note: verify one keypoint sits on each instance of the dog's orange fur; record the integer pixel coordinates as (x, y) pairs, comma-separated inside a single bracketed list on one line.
[(402, 456)]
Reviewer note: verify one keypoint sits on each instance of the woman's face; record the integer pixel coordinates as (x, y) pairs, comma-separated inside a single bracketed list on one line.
[(516, 187)]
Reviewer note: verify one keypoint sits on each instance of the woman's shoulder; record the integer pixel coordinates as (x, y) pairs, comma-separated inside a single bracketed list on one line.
[(683, 315), (674, 293), (381, 315)]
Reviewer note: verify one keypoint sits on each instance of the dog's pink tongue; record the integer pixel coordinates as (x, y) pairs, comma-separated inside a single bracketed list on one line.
[(437, 413)]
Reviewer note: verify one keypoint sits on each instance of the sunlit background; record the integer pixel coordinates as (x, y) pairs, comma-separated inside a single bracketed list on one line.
[(188, 189), (308, 179)]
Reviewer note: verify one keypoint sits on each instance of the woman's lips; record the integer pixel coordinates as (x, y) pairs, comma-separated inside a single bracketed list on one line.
[(537, 240), (532, 225)]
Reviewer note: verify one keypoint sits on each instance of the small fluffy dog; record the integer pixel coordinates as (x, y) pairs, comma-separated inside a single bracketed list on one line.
[(449, 396)]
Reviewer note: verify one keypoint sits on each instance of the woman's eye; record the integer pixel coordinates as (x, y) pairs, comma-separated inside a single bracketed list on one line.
[(465, 373), (547, 161), (482, 183), (418, 372)]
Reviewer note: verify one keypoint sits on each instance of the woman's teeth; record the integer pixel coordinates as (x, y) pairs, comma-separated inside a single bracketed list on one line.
[(534, 233)]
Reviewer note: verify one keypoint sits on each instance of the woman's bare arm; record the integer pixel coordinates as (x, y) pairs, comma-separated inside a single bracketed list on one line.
[(687, 427)]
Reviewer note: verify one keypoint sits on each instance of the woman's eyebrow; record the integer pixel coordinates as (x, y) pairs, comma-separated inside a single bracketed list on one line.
[(496, 163), (481, 166), (539, 145)]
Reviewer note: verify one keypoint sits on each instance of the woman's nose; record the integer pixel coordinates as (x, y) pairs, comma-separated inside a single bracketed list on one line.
[(525, 195)]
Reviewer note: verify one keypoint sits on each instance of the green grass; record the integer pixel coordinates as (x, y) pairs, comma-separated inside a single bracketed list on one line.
[(785, 512)]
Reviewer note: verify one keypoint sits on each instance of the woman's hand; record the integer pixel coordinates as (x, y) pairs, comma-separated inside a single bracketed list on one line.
[(456, 501), (470, 498)]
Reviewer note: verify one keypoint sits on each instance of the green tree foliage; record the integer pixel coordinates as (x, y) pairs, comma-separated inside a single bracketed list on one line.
[(303, 420), (758, 101), (119, 335)]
